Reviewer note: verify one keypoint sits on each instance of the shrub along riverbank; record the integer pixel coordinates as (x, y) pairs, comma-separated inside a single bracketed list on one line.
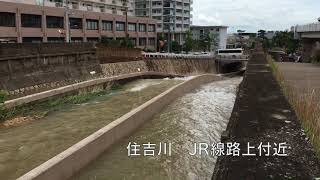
[(41, 109), (306, 106), (3, 95)]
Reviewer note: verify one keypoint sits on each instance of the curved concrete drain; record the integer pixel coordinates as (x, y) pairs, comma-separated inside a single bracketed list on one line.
[(67, 163)]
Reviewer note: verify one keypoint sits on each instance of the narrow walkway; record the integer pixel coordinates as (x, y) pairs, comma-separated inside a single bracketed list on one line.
[(262, 115)]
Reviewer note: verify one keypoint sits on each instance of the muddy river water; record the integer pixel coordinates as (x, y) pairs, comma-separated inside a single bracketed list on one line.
[(27, 146), (164, 147)]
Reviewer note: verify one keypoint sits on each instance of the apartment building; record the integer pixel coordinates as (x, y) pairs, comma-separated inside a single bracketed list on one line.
[(119, 7), (219, 35), (173, 16), (37, 23)]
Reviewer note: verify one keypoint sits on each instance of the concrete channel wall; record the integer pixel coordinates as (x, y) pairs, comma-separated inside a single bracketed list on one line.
[(30, 68), (69, 162), (76, 87)]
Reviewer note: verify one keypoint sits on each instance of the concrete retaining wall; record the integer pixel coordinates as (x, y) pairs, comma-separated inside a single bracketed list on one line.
[(115, 69), (26, 75), (67, 163), (182, 66), (117, 54), (18, 50)]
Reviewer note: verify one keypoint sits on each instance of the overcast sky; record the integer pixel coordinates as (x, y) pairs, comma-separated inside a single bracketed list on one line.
[(252, 15)]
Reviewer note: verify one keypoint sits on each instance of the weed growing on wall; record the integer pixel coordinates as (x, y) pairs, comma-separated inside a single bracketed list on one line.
[(3, 96), (41, 109), (115, 86)]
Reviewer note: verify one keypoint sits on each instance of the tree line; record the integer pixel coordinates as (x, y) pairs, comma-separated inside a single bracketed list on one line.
[(282, 40)]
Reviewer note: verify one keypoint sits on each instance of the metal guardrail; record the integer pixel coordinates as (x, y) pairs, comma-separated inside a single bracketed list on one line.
[(190, 56), (233, 56), (177, 56)]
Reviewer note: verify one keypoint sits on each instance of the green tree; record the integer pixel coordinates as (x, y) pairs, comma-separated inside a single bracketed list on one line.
[(285, 40), (266, 44), (176, 47), (188, 42), (207, 41), (160, 39), (262, 34), (124, 42), (3, 96)]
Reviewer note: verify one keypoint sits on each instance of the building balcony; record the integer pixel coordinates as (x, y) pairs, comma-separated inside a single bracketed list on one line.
[(156, 14), (179, 14), (156, 6), (179, 7)]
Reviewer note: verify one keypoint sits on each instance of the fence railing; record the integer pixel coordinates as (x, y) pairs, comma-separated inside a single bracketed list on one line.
[(177, 56)]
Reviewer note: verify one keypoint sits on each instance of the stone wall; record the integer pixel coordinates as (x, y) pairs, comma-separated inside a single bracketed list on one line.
[(182, 66), (24, 75), (168, 66), (115, 69)]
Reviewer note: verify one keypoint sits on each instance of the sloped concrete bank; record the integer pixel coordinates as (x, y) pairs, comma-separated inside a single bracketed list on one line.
[(263, 115), (67, 163), (73, 88)]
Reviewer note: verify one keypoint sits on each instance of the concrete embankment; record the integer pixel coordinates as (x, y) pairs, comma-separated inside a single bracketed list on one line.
[(262, 115), (67, 163), (104, 82)]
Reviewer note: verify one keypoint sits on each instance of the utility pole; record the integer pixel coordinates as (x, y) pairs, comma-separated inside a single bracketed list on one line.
[(127, 29), (67, 23), (169, 37), (169, 34)]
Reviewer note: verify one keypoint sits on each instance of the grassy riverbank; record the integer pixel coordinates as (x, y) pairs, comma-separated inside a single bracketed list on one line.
[(306, 105)]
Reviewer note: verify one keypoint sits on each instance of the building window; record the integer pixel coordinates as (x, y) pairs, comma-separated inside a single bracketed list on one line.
[(133, 41), (142, 28), (156, 11), (55, 39), (76, 39), (142, 41), (107, 25), (132, 27), (32, 39), (120, 26), (31, 20), (54, 22), (7, 19), (152, 41), (75, 23), (157, 17), (92, 24), (152, 28), (92, 39)]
